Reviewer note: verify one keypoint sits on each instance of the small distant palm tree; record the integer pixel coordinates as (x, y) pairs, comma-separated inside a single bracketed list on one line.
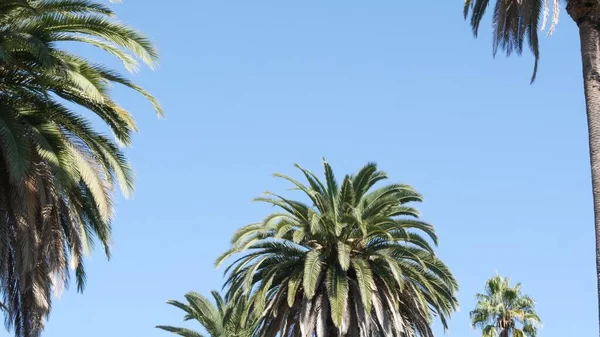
[(353, 262), (221, 319), (503, 311)]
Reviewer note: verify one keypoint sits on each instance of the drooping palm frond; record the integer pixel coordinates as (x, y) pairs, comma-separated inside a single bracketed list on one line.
[(514, 22), (354, 261), (57, 174), (504, 311)]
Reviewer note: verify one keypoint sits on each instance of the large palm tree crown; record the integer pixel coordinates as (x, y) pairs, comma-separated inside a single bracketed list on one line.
[(57, 173), (503, 311), (355, 261), (219, 319)]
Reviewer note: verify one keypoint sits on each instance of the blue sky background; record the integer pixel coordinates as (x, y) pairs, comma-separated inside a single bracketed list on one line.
[(252, 87)]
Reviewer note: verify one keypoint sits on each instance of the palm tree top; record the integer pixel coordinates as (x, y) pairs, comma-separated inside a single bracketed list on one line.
[(504, 311), (353, 251)]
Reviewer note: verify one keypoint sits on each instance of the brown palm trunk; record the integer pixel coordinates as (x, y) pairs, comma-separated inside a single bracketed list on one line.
[(586, 13)]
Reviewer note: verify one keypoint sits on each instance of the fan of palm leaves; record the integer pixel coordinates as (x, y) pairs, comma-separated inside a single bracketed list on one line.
[(514, 22), (503, 311), (356, 261), (57, 173)]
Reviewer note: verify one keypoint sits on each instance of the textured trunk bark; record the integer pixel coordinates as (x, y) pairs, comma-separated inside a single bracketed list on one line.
[(586, 13)]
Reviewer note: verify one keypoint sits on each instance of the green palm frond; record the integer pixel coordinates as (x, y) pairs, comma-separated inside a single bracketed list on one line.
[(312, 273), (180, 331), (70, 7), (514, 23), (337, 291)]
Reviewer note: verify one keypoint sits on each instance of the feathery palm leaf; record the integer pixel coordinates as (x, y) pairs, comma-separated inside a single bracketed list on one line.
[(514, 22)]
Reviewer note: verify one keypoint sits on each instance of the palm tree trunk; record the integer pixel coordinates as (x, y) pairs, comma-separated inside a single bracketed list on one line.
[(586, 13)]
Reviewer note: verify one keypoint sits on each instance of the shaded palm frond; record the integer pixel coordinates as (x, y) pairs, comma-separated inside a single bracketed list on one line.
[(514, 22)]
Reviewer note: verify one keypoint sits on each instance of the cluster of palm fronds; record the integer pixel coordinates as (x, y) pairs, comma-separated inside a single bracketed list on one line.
[(220, 319), (355, 261), (514, 22), (57, 173)]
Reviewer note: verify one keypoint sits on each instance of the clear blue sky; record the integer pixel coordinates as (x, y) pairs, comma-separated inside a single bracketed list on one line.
[(252, 87)]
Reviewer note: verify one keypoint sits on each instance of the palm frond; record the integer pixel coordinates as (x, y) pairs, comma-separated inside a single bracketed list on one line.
[(514, 21)]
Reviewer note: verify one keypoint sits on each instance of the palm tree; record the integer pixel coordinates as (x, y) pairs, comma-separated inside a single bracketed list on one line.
[(57, 174), (503, 311), (353, 262), (222, 319), (516, 21)]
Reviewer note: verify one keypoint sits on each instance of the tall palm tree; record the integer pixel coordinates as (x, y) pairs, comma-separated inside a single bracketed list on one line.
[(57, 173), (503, 311), (355, 261), (518, 20), (221, 319)]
